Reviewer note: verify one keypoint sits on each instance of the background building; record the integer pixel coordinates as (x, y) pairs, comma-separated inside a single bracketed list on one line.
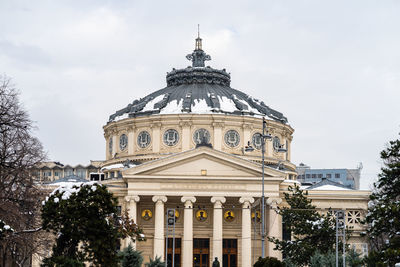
[(53, 170), (347, 177)]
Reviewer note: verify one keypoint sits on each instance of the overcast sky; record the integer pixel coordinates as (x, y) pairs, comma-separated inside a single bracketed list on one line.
[(331, 67)]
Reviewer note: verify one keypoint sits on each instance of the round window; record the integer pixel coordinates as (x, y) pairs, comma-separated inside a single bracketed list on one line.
[(276, 142), (232, 138), (201, 136), (143, 139), (123, 141), (171, 137), (110, 145), (257, 142)]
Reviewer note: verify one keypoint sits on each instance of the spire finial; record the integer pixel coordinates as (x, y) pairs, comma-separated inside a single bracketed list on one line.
[(198, 56), (198, 39)]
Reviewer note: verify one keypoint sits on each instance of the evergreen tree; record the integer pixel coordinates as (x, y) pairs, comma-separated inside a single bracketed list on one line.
[(329, 259), (268, 262), (155, 263), (84, 219), (131, 258), (384, 210), (310, 230)]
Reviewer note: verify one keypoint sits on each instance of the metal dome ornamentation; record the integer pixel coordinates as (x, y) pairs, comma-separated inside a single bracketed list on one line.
[(199, 90)]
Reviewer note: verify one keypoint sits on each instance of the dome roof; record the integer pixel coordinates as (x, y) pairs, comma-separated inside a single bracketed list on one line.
[(198, 90)]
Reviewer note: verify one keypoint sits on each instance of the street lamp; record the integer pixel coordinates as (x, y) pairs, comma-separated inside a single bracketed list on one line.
[(264, 136)]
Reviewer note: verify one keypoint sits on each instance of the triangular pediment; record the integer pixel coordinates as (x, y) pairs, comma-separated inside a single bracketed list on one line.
[(202, 161)]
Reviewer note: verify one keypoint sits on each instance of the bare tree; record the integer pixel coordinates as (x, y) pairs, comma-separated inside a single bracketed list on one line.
[(19, 195)]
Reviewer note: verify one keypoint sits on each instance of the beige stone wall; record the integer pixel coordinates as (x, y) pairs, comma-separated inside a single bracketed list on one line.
[(186, 125)]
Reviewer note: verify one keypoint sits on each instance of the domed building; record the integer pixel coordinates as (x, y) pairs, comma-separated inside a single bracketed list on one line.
[(194, 149)]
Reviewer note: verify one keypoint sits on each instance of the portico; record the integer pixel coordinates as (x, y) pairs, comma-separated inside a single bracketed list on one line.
[(211, 207)]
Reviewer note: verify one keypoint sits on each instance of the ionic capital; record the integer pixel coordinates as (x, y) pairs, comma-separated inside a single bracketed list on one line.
[(157, 199), (217, 200), (132, 199), (247, 126), (274, 201), (188, 200), (155, 125), (218, 124), (246, 201), (185, 123)]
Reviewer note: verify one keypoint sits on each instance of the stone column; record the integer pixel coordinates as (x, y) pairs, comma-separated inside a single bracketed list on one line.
[(217, 228), (131, 206), (159, 226), (246, 230), (187, 242), (274, 226)]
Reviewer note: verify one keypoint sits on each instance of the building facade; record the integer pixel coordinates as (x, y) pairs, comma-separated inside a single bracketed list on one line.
[(50, 171), (183, 148), (347, 177)]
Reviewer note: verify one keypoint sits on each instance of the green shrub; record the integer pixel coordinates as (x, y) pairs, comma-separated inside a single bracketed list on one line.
[(155, 263), (268, 262), (130, 257)]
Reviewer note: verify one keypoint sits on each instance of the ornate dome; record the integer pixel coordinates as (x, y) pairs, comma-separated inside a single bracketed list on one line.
[(199, 90)]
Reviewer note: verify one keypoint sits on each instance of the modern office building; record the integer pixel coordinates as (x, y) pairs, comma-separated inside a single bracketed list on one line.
[(348, 177)]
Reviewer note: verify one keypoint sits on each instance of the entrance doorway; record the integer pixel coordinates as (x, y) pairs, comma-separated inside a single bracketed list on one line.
[(201, 252), (229, 253), (177, 259)]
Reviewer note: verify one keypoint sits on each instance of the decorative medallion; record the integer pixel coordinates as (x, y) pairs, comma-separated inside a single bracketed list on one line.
[(171, 137), (110, 145), (123, 141), (229, 215), (354, 216), (201, 215), (147, 214), (201, 135), (276, 142), (256, 216), (143, 139), (257, 142), (232, 138), (176, 215)]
